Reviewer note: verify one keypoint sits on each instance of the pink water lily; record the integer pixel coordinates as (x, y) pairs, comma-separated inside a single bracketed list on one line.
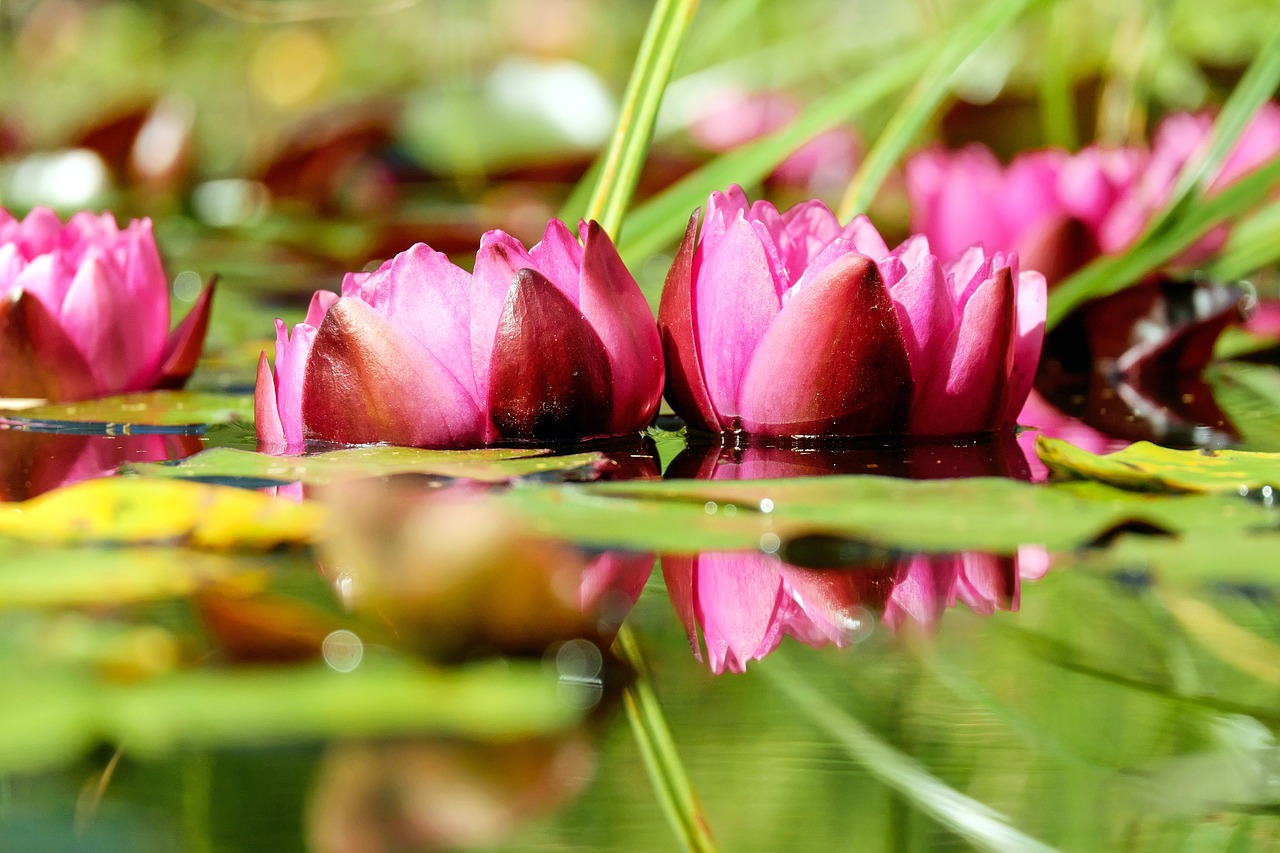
[(550, 344), (789, 324), (85, 309), (1060, 210)]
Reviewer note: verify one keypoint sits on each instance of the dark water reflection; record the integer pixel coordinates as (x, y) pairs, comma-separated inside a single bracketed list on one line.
[(34, 462), (997, 455)]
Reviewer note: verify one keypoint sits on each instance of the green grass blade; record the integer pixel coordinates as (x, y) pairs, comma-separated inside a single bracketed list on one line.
[(1058, 119), (1111, 273), (625, 156), (657, 748), (1254, 89), (923, 101), (976, 823), (1254, 243), (660, 221)]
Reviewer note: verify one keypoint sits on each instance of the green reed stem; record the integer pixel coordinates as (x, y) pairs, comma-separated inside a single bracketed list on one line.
[(668, 26), (923, 101), (978, 824), (661, 759)]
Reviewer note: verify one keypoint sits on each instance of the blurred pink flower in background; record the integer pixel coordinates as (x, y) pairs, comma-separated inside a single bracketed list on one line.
[(551, 344), (786, 324), (733, 117), (1059, 210), (85, 309)]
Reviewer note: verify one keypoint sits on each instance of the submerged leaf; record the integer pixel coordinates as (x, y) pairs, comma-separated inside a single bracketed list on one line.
[(138, 511), (490, 465), (1149, 467)]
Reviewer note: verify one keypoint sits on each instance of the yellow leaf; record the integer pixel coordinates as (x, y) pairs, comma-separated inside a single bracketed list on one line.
[(126, 510)]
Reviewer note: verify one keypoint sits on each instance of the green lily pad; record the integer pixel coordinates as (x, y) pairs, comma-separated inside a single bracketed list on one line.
[(42, 576), (491, 465), (988, 514), (124, 413), (1150, 467), (64, 712)]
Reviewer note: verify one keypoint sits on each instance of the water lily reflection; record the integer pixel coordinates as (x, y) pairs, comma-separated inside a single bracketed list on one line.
[(742, 604), (32, 463)]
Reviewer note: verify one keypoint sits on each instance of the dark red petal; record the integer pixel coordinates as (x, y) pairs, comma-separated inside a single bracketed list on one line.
[(834, 361), (182, 350), (549, 377), (366, 382), (686, 390), (37, 359)]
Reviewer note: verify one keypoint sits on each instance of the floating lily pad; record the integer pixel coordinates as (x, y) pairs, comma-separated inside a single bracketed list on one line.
[(33, 575), (152, 411), (1150, 467), (64, 714), (137, 510), (492, 465), (987, 514)]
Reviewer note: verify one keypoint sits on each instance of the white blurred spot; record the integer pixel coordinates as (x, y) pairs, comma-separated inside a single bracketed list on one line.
[(568, 96), (187, 286), (73, 178), (770, 543), (578, 665), (342, 650), (710, 507), (766, 505), (230, 201)]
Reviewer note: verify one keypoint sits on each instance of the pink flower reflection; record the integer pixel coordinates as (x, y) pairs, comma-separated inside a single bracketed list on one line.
[(32, 463), (739, 605)]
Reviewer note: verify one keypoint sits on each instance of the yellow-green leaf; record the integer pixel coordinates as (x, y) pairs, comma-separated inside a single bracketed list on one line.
[(138, 511), (1150, 467)]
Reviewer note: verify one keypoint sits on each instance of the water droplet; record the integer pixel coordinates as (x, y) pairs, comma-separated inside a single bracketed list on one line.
[(342, 650)]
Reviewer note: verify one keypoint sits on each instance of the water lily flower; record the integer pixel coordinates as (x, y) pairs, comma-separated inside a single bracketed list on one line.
[(1060, 210), (85, 309), (788, 324), (550, 344)]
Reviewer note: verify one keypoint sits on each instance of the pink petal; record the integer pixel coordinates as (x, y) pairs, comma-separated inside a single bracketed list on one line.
[(685, 388), (321, 302), (913, 250), (736, 599), (833, 362), (1032, 303), (967, 394), (728, 204), (617, 310), (93, 315), (426, 296), (146, 291), (559, 257), (927, 313), (865, 238), (266, 412), (736, 300), (808, 228), (367, 382), (292, 353)]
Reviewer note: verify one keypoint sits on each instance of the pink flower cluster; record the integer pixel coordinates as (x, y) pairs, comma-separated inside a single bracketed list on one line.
[(1059, 210)]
